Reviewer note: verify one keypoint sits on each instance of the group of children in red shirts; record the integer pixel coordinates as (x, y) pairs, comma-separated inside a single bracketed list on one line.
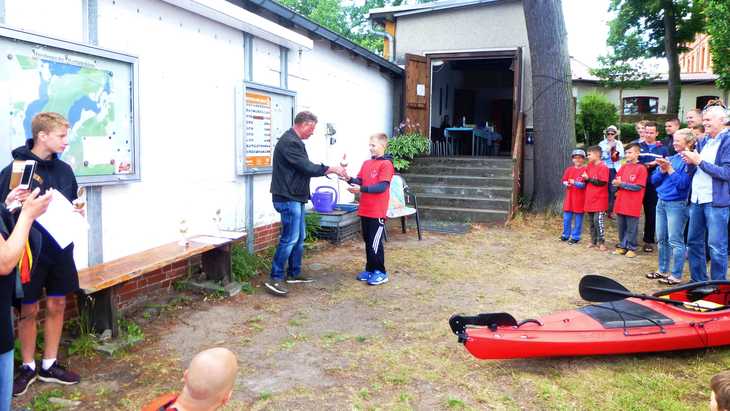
[(587, 191)]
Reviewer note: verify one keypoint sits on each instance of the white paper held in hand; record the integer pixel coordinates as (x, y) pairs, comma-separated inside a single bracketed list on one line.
[(61, 221)]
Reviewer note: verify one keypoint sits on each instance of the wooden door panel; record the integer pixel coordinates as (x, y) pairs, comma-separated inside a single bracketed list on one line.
[(417, 91)]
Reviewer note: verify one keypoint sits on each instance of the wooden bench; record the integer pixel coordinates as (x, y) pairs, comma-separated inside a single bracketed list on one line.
[(98, 282)]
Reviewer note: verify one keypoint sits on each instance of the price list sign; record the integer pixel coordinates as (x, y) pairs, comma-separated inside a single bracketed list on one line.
[(258, 139)]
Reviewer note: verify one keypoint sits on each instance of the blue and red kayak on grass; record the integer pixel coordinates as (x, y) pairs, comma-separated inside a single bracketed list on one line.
[(690, 316)]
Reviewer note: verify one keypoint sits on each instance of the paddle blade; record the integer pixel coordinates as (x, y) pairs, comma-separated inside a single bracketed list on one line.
[(599, 289)]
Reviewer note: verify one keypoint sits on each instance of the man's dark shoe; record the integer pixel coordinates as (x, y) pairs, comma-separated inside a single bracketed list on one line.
[(299, 279), (59, 375), (276, 288), (24, 377)]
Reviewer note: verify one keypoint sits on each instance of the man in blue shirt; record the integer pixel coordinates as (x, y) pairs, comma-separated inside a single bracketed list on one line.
[(650, 150), (710, 198)]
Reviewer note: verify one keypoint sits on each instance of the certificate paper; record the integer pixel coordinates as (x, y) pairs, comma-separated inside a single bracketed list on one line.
[(61, 221)]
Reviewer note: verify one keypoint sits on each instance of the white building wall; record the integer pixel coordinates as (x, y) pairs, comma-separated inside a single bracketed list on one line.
[(486, 27), (687, 101), (188, 69)]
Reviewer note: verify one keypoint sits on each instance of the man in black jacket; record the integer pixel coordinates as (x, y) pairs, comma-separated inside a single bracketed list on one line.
[(292, 171)]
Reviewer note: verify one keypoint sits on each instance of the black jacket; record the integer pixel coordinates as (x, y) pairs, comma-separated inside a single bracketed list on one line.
[(53, 173), (292, 169)]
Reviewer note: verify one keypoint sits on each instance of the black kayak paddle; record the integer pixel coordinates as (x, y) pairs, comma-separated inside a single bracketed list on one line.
[(600, 289)]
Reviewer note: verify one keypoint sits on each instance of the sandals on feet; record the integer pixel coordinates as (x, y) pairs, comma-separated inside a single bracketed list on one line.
[(670, 280), (656, 276), (648, 248)]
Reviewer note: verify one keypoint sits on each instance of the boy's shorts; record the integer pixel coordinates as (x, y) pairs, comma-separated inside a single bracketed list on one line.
[(58, 276)]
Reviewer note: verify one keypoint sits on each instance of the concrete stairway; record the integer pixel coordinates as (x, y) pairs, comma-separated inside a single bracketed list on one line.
[(466, 189)]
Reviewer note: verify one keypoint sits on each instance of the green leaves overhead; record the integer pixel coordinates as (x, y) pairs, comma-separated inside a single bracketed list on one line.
[(639, 27), (718, 27)]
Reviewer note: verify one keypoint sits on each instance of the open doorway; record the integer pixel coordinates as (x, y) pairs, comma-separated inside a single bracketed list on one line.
[(472, 104)]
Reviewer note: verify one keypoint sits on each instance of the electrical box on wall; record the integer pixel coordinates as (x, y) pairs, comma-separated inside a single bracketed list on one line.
[(330, 133)]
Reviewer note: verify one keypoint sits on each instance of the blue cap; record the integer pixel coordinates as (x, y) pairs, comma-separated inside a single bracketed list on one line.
[(577, 152)]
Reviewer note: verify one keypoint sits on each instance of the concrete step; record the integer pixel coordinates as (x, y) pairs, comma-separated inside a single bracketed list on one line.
[(462, 191), (462, 214), (466, 161), (464, 202), (436, 179), (445, 169)]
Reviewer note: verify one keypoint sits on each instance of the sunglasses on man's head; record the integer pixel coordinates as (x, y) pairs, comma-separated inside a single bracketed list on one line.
[(712, 103)]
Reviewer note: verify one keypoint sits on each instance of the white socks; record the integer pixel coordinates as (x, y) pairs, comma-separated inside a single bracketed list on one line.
[(30, 365), (47, 363)]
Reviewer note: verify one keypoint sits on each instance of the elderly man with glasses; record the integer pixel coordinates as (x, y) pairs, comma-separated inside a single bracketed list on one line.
[(710, 198)]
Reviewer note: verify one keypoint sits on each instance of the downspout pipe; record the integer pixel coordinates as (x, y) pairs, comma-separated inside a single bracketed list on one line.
[(391, 43)]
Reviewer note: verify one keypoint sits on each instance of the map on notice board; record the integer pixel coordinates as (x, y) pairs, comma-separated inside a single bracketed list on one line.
[(258, 130), (93, 93)]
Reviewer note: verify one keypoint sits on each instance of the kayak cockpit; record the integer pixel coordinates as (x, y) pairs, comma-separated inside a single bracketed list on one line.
[(702, 296)]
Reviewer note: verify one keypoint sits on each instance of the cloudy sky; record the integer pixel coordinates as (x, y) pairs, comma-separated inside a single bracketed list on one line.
[(587, 25)]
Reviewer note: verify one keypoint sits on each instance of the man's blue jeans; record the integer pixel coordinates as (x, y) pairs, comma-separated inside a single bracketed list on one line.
[(671, 218), (291, 242), (574, 231), (713, 220), (6, 380)]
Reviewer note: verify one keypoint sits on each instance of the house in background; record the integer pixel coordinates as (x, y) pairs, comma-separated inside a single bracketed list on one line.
[(698, 86), (468, 70)]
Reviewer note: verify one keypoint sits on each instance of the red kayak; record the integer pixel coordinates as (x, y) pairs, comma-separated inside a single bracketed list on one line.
[(690, 316)]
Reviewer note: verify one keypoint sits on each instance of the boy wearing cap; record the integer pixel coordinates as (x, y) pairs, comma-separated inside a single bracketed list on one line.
[(596, 179), (612, 152), (630, 182), (574, 201)]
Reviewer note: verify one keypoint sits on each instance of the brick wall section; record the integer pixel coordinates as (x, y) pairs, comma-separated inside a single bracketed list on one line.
[(134, 292)]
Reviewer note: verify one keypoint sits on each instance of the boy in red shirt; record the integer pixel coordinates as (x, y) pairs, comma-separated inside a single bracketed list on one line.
[(574, 198), (630, 182), (373, 184), (596, 205)]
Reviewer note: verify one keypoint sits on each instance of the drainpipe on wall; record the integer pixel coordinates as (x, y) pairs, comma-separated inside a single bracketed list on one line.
[(391, 42)]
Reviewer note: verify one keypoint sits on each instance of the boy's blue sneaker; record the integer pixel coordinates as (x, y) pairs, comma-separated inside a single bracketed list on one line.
[(364, 276), (378, 278)]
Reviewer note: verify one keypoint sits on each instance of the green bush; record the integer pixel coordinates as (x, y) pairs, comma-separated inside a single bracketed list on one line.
[(311, 221), (595, 113), (246, 266), (406, 146)]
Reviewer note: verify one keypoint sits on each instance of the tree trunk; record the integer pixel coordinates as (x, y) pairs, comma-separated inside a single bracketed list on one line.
[(670, 47), (553, 112), (620, 106)]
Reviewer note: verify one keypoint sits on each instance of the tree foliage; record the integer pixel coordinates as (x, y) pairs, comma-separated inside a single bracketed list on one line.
[(347, 20), (595, 113), (622, 74), (656, 28), (718, 27)]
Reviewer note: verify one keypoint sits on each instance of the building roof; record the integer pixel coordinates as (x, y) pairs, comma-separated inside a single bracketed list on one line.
[(392, 12), (286, 15), (580, 73)]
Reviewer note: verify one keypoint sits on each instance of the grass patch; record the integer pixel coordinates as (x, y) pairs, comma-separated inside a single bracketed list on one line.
[(41, 402)]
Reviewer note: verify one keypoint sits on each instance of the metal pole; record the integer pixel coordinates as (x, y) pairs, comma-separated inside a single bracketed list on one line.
[(248, 179), (93, 193)]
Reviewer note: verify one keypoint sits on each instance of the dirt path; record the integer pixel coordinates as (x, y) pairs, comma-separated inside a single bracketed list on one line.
[(340, 344)]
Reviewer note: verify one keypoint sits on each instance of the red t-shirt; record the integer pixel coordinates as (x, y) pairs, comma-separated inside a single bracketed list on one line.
[(375, 205), (597, 196), (629, 203), (574, 197)]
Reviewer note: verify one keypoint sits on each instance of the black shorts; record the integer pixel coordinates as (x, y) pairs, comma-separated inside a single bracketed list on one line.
[(54, 271)]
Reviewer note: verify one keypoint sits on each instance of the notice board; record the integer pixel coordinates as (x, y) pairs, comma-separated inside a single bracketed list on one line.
[(263, 114), (94, 89)]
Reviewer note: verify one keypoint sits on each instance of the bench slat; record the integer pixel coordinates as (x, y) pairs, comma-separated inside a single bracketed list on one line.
[(123, 269)]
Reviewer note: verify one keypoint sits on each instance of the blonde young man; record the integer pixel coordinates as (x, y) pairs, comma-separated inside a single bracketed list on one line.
[(54, 269)]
